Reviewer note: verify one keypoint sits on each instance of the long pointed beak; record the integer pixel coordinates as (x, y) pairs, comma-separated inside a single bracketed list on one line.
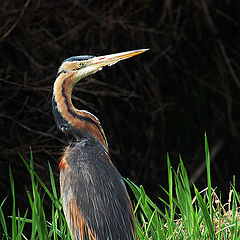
[(109, 60)]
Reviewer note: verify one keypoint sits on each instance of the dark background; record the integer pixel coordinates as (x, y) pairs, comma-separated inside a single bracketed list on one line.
[(159, 102)]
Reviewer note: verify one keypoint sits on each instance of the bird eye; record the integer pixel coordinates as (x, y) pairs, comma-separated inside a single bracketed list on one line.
[(80, 64)]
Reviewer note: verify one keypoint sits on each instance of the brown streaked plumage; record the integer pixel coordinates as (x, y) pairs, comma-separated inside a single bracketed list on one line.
[(95, 201)]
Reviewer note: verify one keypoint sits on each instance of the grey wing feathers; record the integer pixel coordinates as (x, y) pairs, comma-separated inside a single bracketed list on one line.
[(100, 194)]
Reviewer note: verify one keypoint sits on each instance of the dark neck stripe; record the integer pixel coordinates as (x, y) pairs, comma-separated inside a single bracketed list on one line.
[(75, 115), (58, 74)]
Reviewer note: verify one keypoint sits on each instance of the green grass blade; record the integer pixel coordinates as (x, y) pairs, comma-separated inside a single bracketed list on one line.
[(2, 219), (170, 188), (206, 215), (14, 223), (30, 169), (22, 222), (137, 193), (52, 182), (208, 163)]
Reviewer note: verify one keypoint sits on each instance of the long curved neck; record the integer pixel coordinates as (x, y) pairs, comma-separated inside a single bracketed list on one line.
[(79, 123)]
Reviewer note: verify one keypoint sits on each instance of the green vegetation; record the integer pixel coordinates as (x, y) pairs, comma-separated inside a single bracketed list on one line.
[(188, 214), (41, 228)]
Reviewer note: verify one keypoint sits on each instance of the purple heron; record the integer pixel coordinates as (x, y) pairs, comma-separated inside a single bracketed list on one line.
[(94, 198)]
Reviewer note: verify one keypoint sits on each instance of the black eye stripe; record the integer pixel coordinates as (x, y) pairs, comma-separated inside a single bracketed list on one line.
[(63, 71)]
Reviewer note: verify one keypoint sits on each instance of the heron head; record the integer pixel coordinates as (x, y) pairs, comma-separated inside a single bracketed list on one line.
[(82, 66)]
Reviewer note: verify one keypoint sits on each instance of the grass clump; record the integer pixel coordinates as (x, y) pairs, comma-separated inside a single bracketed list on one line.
[(41, 228), (188, 213)]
